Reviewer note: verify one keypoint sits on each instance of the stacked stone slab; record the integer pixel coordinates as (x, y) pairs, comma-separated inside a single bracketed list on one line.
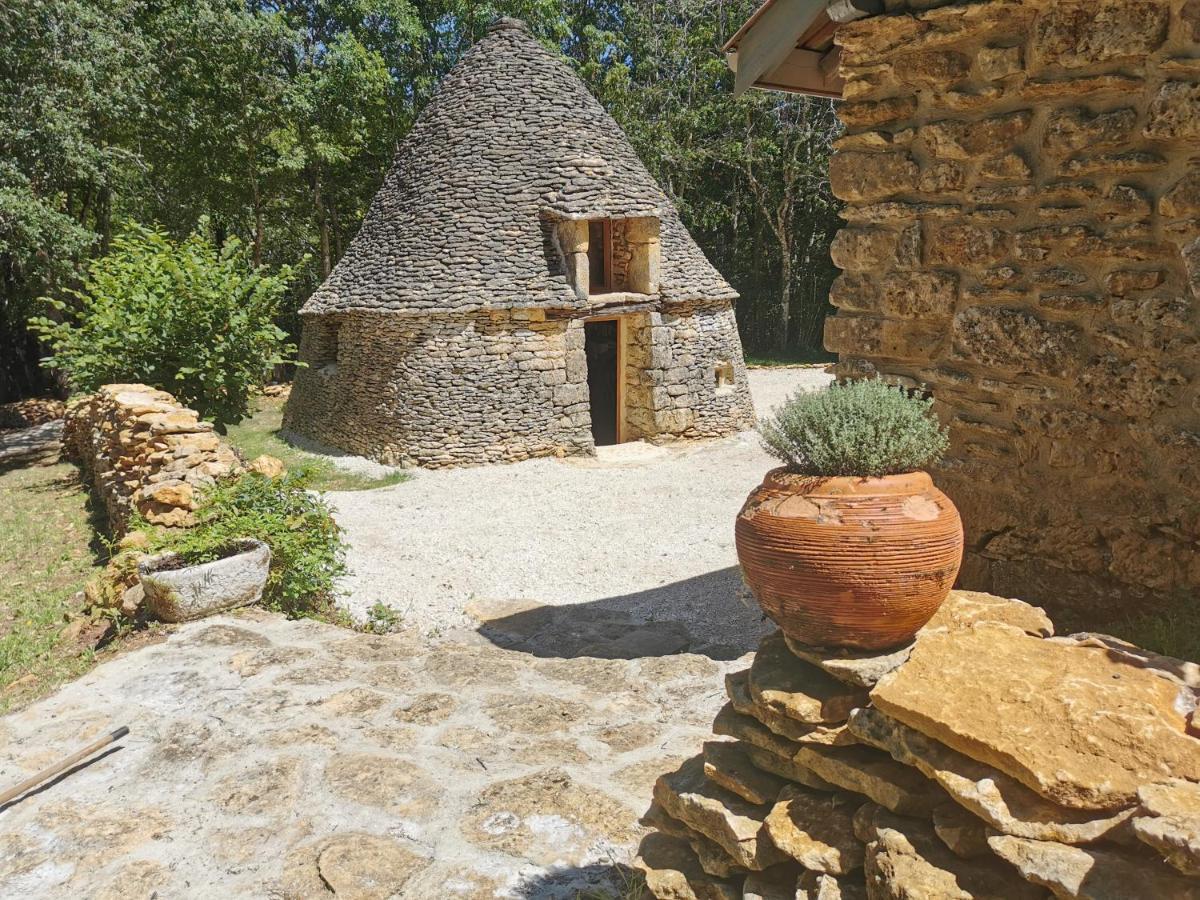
[(989, 759), (141, 450), (1023, 238), (452, 331)]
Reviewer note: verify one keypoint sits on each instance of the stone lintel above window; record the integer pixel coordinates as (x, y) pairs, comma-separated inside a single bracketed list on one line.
[(604, 256)]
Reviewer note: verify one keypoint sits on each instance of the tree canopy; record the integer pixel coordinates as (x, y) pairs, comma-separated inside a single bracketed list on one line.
[(274, 123)]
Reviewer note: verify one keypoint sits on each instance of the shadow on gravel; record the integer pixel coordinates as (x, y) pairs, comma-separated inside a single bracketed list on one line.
[(595, 882), (653, 622)]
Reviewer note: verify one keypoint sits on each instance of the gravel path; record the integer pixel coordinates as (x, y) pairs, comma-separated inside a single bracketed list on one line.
[(639, 534)]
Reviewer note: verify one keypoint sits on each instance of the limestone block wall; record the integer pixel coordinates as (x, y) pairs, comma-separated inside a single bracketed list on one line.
[(142, 450), (989, 759), (671, 364), (1023, 238), (452, 389)]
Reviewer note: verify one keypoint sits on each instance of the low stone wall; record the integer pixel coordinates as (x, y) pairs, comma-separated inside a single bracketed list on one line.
[(141, 450), (988, 760)]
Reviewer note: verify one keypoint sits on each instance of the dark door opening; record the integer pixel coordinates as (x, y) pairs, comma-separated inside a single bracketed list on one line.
[(600, 344)]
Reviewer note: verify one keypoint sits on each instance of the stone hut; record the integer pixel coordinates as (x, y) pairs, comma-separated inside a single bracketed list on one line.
[(1022, 240), (520, 287)]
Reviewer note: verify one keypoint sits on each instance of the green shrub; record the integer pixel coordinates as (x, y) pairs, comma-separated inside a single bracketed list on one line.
[(307, 550), (186, 317), (860, 428)]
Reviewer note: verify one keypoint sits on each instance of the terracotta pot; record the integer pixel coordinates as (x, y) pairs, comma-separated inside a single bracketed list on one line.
[(849, 562)]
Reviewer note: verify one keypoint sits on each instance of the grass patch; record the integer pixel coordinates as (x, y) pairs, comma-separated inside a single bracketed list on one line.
[(258, 433), (772, 359), (48, 549), (1173, 631)]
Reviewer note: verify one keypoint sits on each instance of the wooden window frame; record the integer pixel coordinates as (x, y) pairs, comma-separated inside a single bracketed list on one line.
[(606, 240)]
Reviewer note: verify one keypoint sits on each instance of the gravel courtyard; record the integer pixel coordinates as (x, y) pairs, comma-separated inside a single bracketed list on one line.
[(640, 534)]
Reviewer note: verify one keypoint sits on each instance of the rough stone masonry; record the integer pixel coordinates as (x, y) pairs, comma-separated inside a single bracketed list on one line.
[(988, 760), (1023, 238)]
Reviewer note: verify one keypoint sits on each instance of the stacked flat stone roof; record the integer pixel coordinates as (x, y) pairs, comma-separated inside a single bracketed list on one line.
[(511, 142)]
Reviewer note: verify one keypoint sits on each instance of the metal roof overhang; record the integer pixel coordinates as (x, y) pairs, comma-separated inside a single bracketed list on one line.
[(787, 45)]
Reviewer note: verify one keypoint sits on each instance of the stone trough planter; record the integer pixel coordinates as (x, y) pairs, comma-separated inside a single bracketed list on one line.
[(176, 592)]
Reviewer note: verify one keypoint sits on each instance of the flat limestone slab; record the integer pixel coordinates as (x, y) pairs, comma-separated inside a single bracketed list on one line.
[(727, 764), (788, 769), (737, 688), (1172, 825), (1068, 713), (995, 798), (873, 773), (730, 723), (1093, 873), (788, 686), (817, 829), (672, 871), (905, 860), (737, 826)]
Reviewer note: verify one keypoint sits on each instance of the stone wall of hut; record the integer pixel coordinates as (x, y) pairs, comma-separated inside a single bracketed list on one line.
[(1023, 238), (500, 386)]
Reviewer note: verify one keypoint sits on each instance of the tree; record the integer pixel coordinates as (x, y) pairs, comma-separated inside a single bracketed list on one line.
[(185, 317)]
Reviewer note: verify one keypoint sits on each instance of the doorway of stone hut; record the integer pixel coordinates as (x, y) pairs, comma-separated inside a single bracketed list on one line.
[(602, 345)]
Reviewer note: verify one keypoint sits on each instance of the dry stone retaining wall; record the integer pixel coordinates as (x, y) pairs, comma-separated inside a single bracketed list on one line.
[(505, 385), (987, 760), (1023, 238), (141, 450)]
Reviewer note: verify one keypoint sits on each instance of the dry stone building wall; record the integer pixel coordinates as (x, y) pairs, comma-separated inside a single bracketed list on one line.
[(506, 385), (1023, 215)]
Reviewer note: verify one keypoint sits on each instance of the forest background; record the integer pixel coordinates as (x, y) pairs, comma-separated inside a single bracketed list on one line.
[(275, 123)]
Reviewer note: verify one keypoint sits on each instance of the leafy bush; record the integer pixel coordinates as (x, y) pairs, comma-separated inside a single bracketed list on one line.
[(307, 550), (186, 317), (860, 428)]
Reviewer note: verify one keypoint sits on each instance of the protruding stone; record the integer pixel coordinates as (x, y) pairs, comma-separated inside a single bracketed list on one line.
[(1067, 739), (1002, 802), (866, 177), (712, 858), (737, 687), (734, 824), (874, 774), (1077, 33), (818, 886), (790, 687), (970, 140), (1092, 873), (858, 669), (730, 723), (788, 769), (816, 829), (727, 765), (1078, 129), (1175, 113), (673, 873), (905, 860), (1171, 823)]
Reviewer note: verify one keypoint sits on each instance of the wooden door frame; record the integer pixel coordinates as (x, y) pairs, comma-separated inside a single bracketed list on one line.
[(620, 320)]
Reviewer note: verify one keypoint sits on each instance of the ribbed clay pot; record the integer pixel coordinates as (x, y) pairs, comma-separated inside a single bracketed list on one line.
[(849, 562)]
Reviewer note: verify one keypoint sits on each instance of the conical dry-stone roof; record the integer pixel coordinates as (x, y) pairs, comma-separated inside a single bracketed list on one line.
[(464, 220)]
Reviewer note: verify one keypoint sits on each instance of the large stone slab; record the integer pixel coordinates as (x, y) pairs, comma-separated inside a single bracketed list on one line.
[(737, 688), (730, 723), (1172, 823), (817, 829), (784, 684), (995, 798), (961, 609), (727, 765), (1069, 711), (1093, 873), (737, 826), (673, 872), (874, 774), (905, 860)]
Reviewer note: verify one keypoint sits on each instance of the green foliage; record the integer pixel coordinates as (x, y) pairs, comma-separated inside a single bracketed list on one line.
[(307, 549), (1173, 630), (382, 619), (185, 317), (859, 428)]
